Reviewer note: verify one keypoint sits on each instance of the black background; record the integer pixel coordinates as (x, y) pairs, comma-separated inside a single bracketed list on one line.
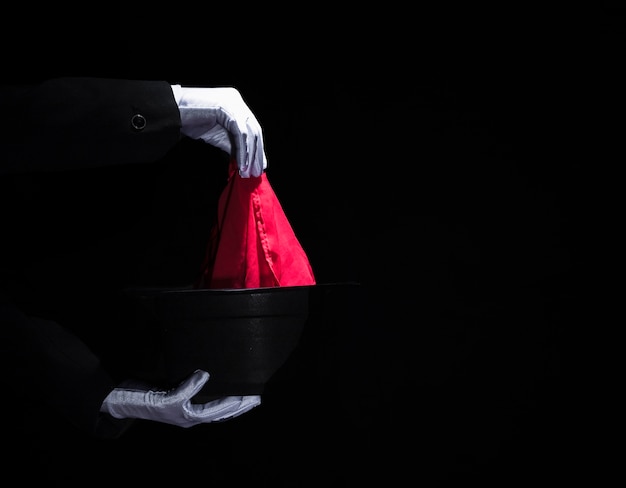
[(425, 153)]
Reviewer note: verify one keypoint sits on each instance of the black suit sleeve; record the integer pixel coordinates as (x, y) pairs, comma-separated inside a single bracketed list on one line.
[(72, 123), (52, 376)]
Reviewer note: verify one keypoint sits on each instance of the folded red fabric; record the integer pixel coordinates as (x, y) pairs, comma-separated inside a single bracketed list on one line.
[(252, 244)]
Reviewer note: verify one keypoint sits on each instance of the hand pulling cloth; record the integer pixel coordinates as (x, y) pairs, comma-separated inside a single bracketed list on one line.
[(252, 243)]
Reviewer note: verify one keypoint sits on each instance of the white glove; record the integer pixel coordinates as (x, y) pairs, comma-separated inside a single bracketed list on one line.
[(174, 406), (220, 117)]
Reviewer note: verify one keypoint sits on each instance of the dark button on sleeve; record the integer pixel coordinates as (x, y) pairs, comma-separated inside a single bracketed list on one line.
[(138, 122)]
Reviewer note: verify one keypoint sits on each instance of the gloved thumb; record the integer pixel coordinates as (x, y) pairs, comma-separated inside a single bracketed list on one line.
[(190, 386)]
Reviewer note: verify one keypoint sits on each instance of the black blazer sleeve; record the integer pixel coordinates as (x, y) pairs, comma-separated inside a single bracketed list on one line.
[(52, 376), (73, 123)]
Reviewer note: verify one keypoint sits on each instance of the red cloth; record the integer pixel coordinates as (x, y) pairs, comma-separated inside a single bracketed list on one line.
[(252, 244)]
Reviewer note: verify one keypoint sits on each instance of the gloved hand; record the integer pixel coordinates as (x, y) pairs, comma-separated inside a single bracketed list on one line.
[(220, 117), (174, 406)]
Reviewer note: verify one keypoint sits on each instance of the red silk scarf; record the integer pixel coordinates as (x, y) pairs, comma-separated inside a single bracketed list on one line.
[(252, 244)]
